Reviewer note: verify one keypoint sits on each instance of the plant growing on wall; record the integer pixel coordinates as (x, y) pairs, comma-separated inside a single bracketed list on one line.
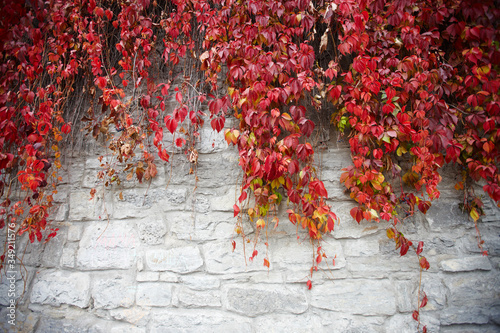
[(411, 84)]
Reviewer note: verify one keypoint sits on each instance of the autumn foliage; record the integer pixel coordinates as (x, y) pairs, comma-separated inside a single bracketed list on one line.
[(412, 85)]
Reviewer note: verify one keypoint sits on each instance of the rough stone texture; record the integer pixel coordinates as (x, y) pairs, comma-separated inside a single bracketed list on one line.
[(108, 245), (363, 297), (61, 287), (260, 300), (164, 260), (111, 292), (180, 259)]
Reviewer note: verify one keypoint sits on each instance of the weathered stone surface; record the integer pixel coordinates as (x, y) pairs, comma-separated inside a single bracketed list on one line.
[(225, 201), (289, 323), (53, 251), (211, 141), (81, 208), (473, 290), (186, 297), (380, 266), (68, 257), (61, 287), (364, 297), (180, 260), (147, 276), (128, 329), (349, 228), (107, 246), (152, 230), (110, 292), (141, 202), (219, 258), (256, 300), (406, 295), (75, 232), (361, 247), (136, 316), (466, 264), (154, 294), (189, 226), (464, 314), (446, 215), (200, 282), (194, 321)]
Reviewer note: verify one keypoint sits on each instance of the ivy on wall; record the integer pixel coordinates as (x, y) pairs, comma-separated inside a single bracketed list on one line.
[(411, 84)]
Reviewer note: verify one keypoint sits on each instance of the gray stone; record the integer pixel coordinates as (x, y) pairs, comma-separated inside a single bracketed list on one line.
[(169, 277), (193, 226), (364, 297), (139, 202), (361, 247), (194, 321), (274, 323), (154, 294), (136, 316), (211, 141), (464, 314), (180, 260), (151, 231), (256, 300), (111, 292), (147, 276), (226, 201), (406, 295), (107, 246), (466, 264), (68, 257), (53, 250), (219, 258), (82, 208), (446, 215), (75, 232), (188, 298), (127, 329), (473, 290), (61, 287), (200, 282)]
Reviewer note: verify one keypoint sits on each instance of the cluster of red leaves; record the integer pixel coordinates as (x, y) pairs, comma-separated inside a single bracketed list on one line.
[(412, 83)]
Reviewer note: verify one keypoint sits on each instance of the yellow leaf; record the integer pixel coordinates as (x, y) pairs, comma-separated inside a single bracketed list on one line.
[(474, 214)]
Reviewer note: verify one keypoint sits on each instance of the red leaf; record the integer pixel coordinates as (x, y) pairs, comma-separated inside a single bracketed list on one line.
[(66, 128), (420, 247), (171, 124), (415, 315), (236, 209), (178, 97), (179, 142), (309, 284), (424, 301), (266, 262), (424, 263), (101, 82), (162, 153), (234, 245)]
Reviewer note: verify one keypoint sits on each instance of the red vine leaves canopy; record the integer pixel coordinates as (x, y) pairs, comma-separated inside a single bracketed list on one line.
[(411, 84)]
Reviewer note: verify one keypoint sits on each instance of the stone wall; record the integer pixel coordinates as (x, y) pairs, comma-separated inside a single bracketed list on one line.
[(151, 258)]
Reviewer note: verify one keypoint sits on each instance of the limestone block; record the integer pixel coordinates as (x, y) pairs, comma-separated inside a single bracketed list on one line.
[(220, 259), (445, 215), (68, 257), (473, 290), (211, 141), (226, 201), (138, 202), (81, 208), (361, 247), (136, 315), (61, 287), (75, 232), (152, 230), (200, 281), (188, 298), (127, 329), (289, 323), (360, 296), (107, 246), (168, 277), (464, 314), (253, 300), (180, 260), (196, 320), (11, 287), (189, 226), (466, 264), (113, 291), (154, 294), (147, 276), (289, 255), (53, 250)]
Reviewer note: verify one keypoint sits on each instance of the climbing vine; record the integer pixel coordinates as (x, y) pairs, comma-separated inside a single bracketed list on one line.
[(412, 85)]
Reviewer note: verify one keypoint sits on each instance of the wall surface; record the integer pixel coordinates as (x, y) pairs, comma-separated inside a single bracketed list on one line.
[(163, 261)]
